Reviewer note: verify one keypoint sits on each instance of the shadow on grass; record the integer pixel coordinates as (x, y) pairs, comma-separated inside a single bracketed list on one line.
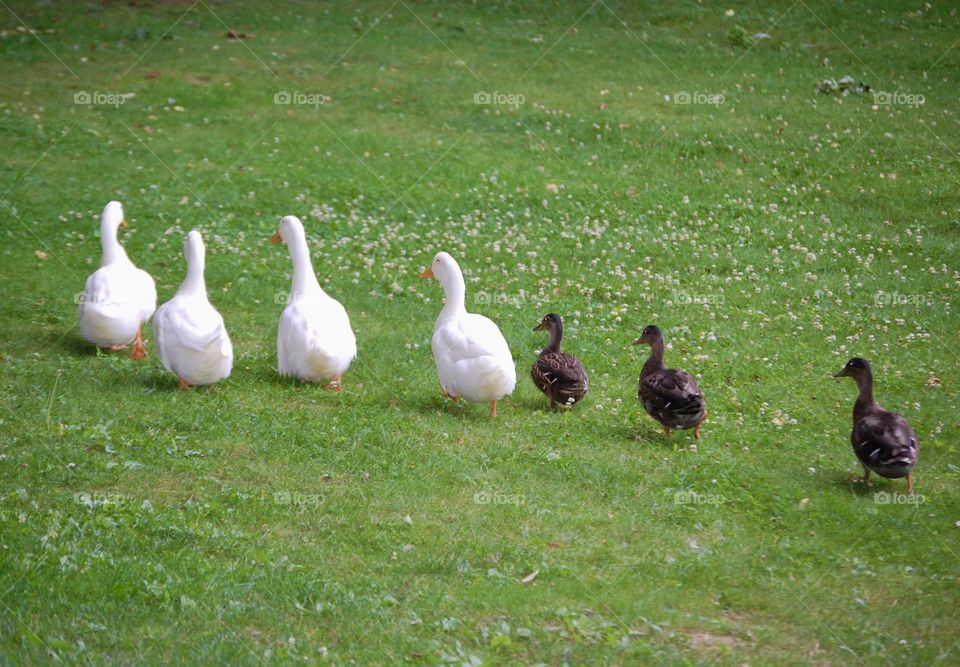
[(435, 405), (853, 482), (78, 347), (648, 432), (536, 404)]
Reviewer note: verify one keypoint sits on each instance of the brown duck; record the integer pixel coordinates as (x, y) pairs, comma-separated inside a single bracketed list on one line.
[(670, 396), (882, 440), (557, 374)]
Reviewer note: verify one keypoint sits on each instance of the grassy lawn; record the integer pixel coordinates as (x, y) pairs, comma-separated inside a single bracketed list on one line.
[(772, 232)]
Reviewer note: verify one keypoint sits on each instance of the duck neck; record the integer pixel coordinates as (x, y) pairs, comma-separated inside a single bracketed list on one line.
[(864, 403), (111, 250), (304, 279), (455, 294), (194, 283), (655, 362), (556, 337)]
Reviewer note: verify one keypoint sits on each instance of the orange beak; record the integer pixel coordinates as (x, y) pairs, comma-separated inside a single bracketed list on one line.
[(123, 223), (428, 273), (275, 238)]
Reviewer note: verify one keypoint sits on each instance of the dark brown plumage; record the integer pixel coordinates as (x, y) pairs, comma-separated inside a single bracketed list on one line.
[(670, 396), (883, 441), (558, 375)]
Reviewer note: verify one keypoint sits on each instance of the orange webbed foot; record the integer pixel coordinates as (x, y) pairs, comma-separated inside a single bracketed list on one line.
[(139, 351)]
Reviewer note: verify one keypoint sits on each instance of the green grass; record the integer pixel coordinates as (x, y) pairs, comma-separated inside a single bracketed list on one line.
[(261, 520)]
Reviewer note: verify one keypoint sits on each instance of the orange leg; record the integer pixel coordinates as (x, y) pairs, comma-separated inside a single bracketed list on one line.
[(336, 384), (666, 429), (443, 392), (909, 484), (493, 409), (139, 351), (696, 431), (183, 384)]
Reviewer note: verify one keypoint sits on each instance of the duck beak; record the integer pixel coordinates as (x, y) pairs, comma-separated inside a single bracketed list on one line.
[(840, 373), (427, 273), (539, 327), (639, 341), (275, 238), (123, 223)]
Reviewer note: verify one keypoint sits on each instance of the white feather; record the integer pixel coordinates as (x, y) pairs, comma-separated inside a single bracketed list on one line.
[(191, 337), (472, 356), (118, 297), (315, 341)]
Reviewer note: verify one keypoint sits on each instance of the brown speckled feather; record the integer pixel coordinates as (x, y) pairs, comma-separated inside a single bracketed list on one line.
[(560, 376), (882, 440), (885, 443), (673, 398)]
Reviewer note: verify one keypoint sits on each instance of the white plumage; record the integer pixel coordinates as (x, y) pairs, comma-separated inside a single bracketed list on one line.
[(473, 358), (191, 336), (118, 298), (314, 341)]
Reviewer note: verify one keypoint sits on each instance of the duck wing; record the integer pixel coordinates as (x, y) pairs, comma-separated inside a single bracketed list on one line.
[(673, 398), (193, 324), (473, 359), (885, 443), (561, 376)]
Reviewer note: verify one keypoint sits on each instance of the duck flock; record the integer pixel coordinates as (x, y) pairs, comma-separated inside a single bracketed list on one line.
[(316, 343)]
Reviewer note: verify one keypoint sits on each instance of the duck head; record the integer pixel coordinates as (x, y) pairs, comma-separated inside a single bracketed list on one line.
[(194, 252), (290, 228), (651, 334), (113, 216), (444, 268), (550, 323), (856, 368), (111, 220), (193, 248)]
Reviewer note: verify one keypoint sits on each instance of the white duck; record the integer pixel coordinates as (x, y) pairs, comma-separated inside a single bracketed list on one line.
[(314, 342), (191, 337), (473, 358), (118, 298)]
